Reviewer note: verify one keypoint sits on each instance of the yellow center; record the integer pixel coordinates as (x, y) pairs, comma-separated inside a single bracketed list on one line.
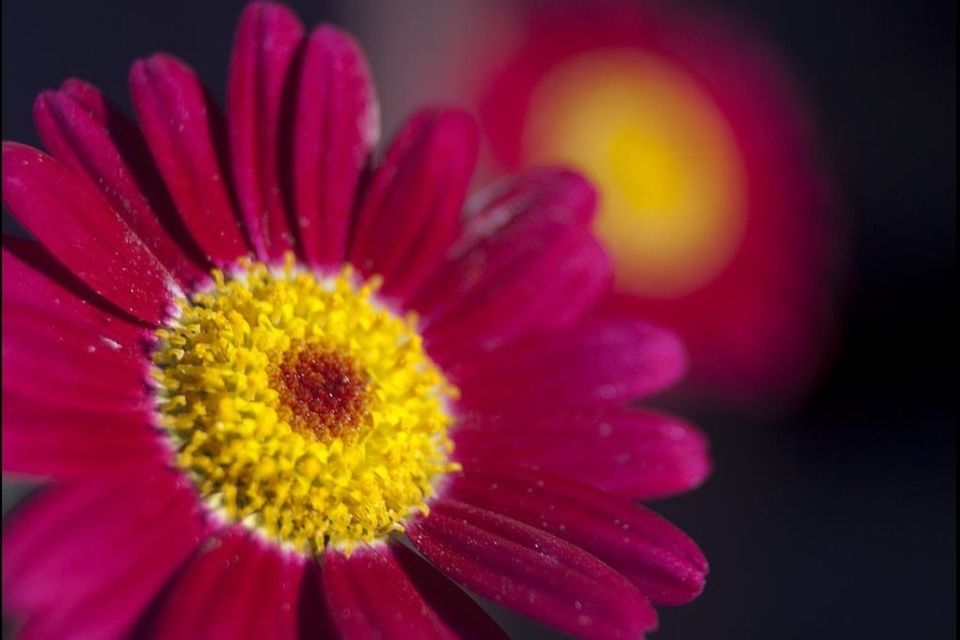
[(668, 169), (301, 408)]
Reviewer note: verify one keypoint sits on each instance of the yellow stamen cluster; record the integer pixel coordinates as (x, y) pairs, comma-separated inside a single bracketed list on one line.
[(234, 370)]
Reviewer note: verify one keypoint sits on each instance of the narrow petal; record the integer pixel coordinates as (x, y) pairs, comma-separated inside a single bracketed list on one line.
[(457, 611), (550, 296), (535, 573), (511, 256), (185, 133), (633, 453), (602, 362), (410, 214), (56, 333), (110, 154), (49, 356), (369, 596), (78, 226), (234, 587), (664, 564), (314, 619), (84, 560), (259, 85), (50, 440), (337, 125), (37, 286)]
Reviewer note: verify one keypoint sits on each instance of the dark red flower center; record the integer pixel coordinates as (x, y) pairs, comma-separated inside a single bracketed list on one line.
[(323, 391)]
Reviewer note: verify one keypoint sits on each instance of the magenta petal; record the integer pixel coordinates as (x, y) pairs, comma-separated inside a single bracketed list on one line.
[(185, 131), (261, 69), (658, 558), (532, 572), (337, 125), (550, 295), (37, 287), (602, 362), (53, 440), (410, 213), (456, 610), (103, 151), (633, 453), (76, 224), (56, 362), (369, 596), (313, 617), (84, 560), (234, 587), (61, 351), (509, 269)]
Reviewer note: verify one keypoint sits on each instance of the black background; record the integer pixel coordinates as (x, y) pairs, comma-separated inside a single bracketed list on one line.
[(839, 520)]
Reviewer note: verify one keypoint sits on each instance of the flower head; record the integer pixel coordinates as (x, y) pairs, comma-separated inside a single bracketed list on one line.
[(254, 363), (713, 206)]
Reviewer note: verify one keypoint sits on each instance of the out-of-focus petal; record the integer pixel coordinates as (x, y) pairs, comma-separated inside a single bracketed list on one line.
[(39, 441), (234, 587), (85, 560)]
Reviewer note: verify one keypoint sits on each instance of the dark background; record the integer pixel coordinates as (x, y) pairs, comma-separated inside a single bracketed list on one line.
[(837, 520)]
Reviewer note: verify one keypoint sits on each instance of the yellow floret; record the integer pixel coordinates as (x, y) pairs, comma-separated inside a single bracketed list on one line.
[(234, 434)]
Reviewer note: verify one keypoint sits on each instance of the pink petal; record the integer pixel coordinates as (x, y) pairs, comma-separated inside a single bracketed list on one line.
[(88, 96), (410, 214), (633, 453), (533, 572), (314, 620), (35, 285), (512, 268), (551, 295), (234, 587), (369, 596), (110, 153), (602, 362), (457, 611), (658, 558), (49, 439), (84, 560), (50, 356), (54, 341), (336, 126), (261, 72), (78, 226), (185, 132)]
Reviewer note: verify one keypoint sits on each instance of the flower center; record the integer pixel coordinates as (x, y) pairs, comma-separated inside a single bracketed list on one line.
[(301, 408), (668, 168), (321, 391)]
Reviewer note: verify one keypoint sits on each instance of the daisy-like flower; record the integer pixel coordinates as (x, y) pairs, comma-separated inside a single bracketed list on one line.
[(284, 393), (713, 207)]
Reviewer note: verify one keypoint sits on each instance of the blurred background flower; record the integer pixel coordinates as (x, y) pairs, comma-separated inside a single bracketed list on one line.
[(815, 518), (714, 208)]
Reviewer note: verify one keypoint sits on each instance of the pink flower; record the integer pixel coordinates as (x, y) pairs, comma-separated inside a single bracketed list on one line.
[(714, 208), (253, 363)]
